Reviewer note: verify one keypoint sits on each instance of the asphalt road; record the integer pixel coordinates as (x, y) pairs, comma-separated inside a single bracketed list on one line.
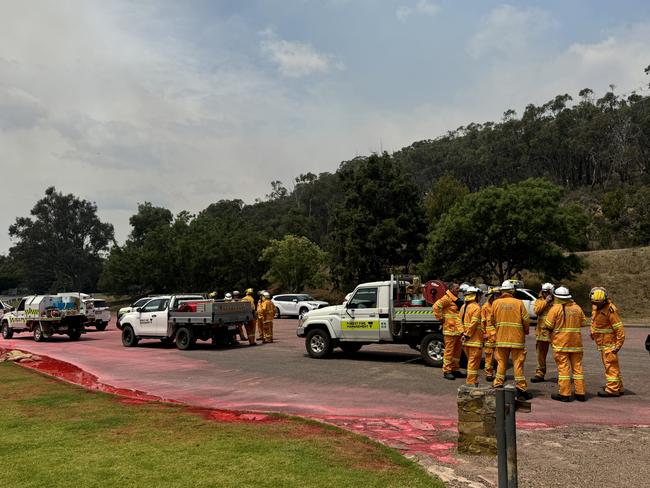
[(379, 381)]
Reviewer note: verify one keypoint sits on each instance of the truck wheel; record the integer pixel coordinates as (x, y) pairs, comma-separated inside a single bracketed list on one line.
[(432, 349), (74, 334), (302, 311), (318, 343), (129, 339), (101, 325), (7, 332), (185, 339), (39, 335), (350, 347)]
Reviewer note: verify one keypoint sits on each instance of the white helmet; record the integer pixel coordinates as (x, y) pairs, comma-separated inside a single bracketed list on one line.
[(464, 287), (507, 285), (228, 296), (562, 292), (266, 294), (471, 290), (549, 287)]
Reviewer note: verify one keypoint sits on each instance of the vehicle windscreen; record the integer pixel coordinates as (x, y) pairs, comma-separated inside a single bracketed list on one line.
[(305, 298), (141, 302), (100, 303)]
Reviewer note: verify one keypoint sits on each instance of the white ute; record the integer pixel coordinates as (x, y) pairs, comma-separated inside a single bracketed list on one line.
[(373, 315), (44, 316), (183, 319)]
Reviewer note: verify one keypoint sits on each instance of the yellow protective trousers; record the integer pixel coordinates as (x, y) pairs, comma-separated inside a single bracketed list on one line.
[(541, 348), (267, 331), (569, 365), (612, 372), (250, 331), (453, 348), (474, 355), (518, 357), (489, 361)]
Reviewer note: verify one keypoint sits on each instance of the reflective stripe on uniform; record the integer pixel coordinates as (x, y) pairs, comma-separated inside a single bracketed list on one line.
[(617, 325), (567, 349), (513, 345), (602, 331), (509, 324)]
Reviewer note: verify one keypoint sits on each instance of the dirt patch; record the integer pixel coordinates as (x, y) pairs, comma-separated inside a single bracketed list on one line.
[(576, 456)]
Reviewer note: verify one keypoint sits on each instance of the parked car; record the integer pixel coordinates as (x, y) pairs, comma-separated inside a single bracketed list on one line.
[(131, 308), (528, 297), (102, 313), (295, 305), (4, 308)]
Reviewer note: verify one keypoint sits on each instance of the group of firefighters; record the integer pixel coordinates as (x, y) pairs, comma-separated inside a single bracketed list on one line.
[(263, 314), (499, 327)]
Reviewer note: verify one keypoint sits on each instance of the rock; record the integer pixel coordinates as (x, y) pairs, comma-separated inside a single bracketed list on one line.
[(477, 420)]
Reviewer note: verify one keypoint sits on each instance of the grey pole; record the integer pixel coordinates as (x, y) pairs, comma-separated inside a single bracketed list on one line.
[(511, 435), (502, 448)]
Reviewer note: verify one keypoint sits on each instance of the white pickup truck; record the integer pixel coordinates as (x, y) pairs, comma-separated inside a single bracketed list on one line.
[(378, 312), (44, 316), (183, 319)]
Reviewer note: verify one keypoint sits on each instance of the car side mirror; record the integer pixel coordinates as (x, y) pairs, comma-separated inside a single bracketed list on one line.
[(351, 305), (295, 300), (139, 309)]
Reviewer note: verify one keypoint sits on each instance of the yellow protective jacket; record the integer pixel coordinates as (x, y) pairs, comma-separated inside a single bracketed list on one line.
[(489, 330), (542, 308), (470, 314), (607, 327), (511, 320), (266, 310), (564, 321), (250, 299), (446, 311)]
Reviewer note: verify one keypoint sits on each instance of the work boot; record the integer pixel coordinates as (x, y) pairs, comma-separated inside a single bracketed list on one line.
[(448, 376), (607, 394), (537, 379), (524, 395), (489, 378), (459, 374), (581, 398), (561, 398)]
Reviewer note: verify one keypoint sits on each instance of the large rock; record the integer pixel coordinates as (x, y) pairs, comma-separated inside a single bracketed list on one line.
[(477, 420)]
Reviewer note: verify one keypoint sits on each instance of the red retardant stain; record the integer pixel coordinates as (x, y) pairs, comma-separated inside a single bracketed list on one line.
[(230, 416)]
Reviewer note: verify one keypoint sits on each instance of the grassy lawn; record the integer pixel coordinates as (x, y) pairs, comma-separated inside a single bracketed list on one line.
[(57, 435)]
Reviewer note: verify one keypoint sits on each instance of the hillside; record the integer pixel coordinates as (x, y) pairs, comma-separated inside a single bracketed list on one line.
[(625, 273)]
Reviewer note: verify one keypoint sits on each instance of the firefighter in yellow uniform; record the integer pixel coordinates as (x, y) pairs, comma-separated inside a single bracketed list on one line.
[(542, 335), (489, 333), (564, 321), (250, 325), (265, 314), (512, 323), (472, 337), (608, 332), (446, 310)]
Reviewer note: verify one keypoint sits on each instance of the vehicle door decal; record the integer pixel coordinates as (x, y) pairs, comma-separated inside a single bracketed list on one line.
[(360, 324)]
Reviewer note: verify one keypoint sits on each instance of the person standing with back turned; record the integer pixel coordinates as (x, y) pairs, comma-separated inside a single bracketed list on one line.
[(512, 323), (542, 306)]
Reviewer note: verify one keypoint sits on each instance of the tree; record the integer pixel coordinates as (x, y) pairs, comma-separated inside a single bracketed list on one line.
[(62, 245), (147, 219), (378, 225), (9, 274), (446, 191), (498, 232), (294, 262)]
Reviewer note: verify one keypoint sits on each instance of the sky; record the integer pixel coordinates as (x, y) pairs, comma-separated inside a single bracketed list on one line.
[(185, 103)]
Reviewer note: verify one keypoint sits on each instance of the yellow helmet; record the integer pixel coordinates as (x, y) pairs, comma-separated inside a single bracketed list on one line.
[(249, 291), (598, 294), (212, 294), (492, 291)]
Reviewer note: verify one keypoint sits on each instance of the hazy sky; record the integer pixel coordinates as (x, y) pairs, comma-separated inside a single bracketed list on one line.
[(185, 103)]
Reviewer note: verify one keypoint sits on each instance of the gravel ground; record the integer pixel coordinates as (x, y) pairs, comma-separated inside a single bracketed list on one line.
[(576, 457)]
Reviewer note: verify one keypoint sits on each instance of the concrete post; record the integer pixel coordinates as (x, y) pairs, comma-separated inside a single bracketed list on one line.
[(477, 420)]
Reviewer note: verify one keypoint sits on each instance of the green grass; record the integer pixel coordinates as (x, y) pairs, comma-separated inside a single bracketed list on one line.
[(57, 435)]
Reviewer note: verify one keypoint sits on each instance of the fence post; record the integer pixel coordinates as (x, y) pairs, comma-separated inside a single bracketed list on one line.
[(502, 462), (511, 434)]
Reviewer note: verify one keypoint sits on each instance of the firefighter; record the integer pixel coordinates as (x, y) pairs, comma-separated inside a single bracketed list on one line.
[(608, 332), (489, 332), (446, 310), (212, 295), (512, 323), (265, 314), (472, 336), (227, 297), (250, 325), (564, 321), (235, 296), (542, 305)]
